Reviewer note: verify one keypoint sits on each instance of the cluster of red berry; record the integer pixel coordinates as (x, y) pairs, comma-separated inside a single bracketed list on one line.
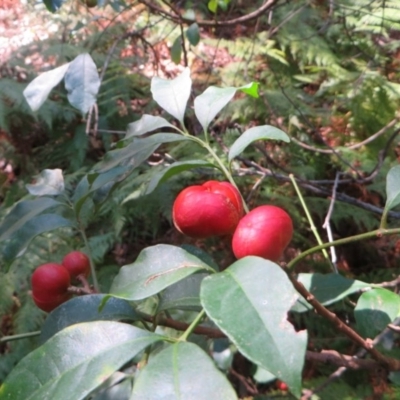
[(215, 209), (51, 282)]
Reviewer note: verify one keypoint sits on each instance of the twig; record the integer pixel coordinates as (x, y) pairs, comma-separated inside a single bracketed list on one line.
[(240, 20), (250, 387)]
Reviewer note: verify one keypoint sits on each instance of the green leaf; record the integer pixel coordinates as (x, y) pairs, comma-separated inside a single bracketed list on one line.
[(249, 302), (174, 169), (193, 34), (82, 82), (156, 268), (146, 123), (75, 361), (53, 5), (263, 132), (214, 99), (86, 309), (136, 152), (263, 376), (393, 188), (50, 182), (23, 212), (37, 225), (213, 5), (375, 310), (38, 90), (327, 289), (172, 95), (174, 373), (176, 50)]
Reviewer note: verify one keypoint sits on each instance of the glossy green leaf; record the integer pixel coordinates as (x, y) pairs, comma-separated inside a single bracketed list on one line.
[(173, 95), (249, 302), (193, 34), (156, 268), (176, 50), (263, 132), (35, 226), (50, 182), (145, 124), (182, 371), (327, 289), (75, 361), (82, 82), (85, 309), (174, 169), (53, 5), (23, 212), (136, 152), (393, 187), (38, 90), (376, 309), (263, 376), (116, 391), (214, 99)]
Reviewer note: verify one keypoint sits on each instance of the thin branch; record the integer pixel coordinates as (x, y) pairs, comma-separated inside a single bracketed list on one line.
[(332, 357), (213, 23)]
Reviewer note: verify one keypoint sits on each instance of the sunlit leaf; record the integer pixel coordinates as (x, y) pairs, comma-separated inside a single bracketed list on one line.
[(75, 361), (249, 302), (38, 90), (263, 132), (393, 187), (376, 309), (182, 371), (82, 82), (49, 182), (172, 95), (156, 268), (147, 123)]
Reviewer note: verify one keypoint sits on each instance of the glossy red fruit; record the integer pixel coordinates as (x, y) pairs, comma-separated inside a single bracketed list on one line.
[(281, 385), (264, 232), (211, 209), (77, 263), (50, 284)]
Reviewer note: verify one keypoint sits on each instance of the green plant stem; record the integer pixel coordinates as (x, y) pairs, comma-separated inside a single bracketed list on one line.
[(310, 220), (383, 223), (192, 326), (92, 266), (19, 336), (356, 238)]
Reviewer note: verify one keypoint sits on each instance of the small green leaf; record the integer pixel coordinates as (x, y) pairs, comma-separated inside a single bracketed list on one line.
[(249, 302), (156, 268), (38, 90), (75, 361), (174, 169), (53, 5), (136, 152), (251, 89), (23, 212), (193, 34), (173, 95), (176, 50), (86, 309), (213, 5), (214, 99), (50, 182), (263, 132), (145, 124), (174, 373), (393, 188), (375, 310), (82, 82), (327, 289)]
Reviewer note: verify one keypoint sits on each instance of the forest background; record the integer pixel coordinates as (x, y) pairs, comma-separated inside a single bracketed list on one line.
[(328, 75)]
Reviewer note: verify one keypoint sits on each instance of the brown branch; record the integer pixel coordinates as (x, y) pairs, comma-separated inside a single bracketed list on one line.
[(332, 357), (213, 23), (367, 344)]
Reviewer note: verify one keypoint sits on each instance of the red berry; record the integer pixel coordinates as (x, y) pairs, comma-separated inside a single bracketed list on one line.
[(281, 385), (77, 263), (264, 232), (211, 209), (50, 284)]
